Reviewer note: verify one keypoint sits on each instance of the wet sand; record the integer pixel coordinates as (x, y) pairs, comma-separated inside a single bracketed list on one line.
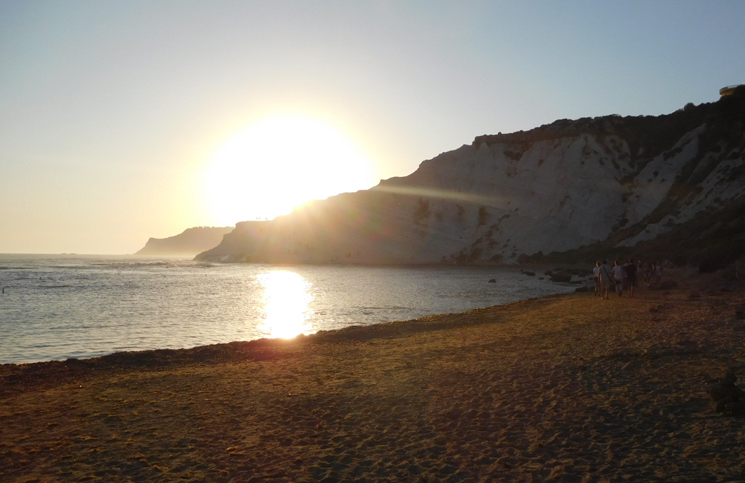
[(569, 388)]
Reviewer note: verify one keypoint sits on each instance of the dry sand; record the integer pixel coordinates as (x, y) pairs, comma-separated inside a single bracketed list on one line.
[(570, 388)]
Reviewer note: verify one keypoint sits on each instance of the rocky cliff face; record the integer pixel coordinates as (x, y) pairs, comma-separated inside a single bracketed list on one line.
[(616, 182), (188, 243)]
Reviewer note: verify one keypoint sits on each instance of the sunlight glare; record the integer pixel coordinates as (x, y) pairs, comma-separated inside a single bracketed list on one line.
[(286, 301), (279, 163)]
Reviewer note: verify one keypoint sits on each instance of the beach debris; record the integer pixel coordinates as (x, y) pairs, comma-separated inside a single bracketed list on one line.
[(657, 308), (666, 285), (730, 399), (740, 311)]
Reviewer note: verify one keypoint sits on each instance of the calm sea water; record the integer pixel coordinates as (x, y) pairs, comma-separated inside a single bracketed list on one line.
[(56, 307)]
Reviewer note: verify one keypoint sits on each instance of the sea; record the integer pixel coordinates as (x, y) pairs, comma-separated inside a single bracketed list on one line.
[(55, 307)]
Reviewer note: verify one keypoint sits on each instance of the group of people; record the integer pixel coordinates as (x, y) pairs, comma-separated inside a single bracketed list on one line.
[(623, 277), (652, 272)]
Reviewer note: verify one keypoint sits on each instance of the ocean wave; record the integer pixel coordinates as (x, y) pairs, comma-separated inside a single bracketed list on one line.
[(135, 264), (387, 307), (65, 267), (26, 288)]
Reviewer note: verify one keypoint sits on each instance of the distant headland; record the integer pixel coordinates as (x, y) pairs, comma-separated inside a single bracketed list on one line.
[(189, 243)]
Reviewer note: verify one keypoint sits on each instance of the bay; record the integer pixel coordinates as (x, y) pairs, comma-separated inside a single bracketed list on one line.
[(63, 306)]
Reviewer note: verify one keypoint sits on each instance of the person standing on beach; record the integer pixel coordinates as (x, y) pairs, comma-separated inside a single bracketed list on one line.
[(596, 278), (658, 271), (618, 277), (605, 279), (631, 276), (647, 267), (625, 277)]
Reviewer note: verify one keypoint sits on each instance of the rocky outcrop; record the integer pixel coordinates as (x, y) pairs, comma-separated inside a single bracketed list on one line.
[(614, 182), (188, 243)]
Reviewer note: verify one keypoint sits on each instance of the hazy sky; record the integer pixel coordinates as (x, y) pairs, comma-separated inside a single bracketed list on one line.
[(113, 113)]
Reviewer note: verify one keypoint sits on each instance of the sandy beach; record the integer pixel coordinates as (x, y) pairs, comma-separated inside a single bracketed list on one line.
[(566, 388)]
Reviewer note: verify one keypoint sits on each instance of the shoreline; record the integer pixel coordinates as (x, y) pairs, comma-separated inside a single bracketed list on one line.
[(564, 386), (330, 306)]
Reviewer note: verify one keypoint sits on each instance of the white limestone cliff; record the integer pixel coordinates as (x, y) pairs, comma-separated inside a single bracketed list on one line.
[(552, 189)]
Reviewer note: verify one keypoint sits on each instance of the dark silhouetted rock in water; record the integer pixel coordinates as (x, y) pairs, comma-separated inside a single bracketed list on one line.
[(493, 280), (189, 243), (730, 399), (561, 277)]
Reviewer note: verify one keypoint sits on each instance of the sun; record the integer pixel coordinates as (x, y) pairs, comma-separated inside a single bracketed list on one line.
[(279, 163)]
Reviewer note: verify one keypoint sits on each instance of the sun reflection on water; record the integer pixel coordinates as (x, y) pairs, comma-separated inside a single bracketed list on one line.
[(286, 301)]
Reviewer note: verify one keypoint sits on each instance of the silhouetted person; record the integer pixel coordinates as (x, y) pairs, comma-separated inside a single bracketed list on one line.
[(631, 270), (605, 279), (618, 277), (658, 271), (596, 278), (647, 267)]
